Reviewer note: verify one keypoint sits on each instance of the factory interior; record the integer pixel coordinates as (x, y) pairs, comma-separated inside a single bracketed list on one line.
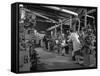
[(55, 37)]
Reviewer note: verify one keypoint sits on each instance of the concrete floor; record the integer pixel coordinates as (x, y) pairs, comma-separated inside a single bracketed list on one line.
[(50, 61)]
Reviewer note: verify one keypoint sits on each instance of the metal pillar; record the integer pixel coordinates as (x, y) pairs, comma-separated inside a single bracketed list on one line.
[(85, 18), (60, 26), (70, 21), (79, 25), (55, 30)]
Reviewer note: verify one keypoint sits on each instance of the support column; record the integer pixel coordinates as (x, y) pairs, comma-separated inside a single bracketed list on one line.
[(55, 30), (79, 25), (70, 21), (85, 18), (60, 26)]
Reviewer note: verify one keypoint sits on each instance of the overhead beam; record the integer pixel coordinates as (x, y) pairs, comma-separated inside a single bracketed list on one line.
[(91, 11), (53, 27), (63, 10), (37, 14), (90, 16), (67, 22)]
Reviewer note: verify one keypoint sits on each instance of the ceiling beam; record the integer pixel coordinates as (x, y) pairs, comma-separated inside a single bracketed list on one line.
[(65, 22), (37, 14), (62, 10), (91, 11), (53, 27), (90, 16)]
